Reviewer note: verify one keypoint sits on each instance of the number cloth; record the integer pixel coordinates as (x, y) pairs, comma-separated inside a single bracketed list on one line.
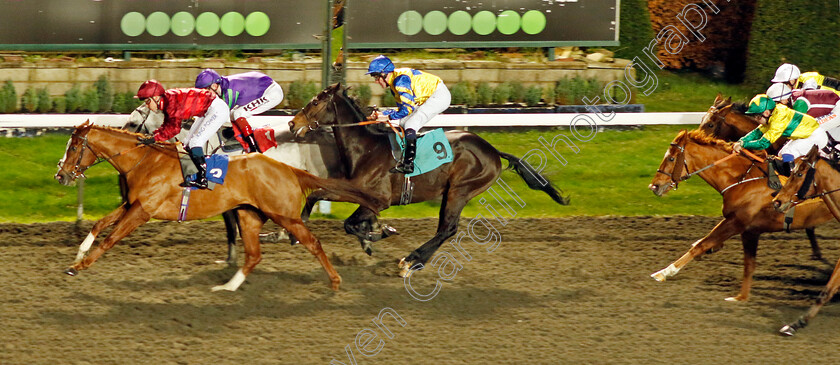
[(433, 150)]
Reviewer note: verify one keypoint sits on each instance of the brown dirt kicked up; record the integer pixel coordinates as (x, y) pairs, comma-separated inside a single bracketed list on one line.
[(557, 291)]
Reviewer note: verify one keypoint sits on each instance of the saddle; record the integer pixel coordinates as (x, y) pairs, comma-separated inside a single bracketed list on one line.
[(433, 150)]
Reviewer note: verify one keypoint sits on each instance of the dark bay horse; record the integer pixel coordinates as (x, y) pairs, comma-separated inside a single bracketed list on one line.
[(726, 120), (258, 187), (812, 177), (747, 208), (367, 159)]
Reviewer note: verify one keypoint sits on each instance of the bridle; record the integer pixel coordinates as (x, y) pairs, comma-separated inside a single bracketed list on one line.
[(313, 124), (680, 166), (79, 170)]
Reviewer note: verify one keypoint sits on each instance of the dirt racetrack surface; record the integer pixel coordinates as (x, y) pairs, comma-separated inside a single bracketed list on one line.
[(556, 291)]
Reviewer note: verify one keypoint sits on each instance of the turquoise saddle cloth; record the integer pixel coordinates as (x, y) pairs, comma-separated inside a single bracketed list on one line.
[(433, 150)]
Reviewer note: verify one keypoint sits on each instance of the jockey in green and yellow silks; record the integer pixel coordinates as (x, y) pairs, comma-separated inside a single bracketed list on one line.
[(777, 121)]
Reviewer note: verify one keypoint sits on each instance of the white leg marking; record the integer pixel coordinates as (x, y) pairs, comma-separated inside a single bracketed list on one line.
[(84, 247), (663, 274), (696, 242), (234, 282)]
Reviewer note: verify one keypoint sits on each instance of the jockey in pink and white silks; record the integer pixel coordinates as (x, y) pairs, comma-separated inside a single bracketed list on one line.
[(420, 97), (246, 94)]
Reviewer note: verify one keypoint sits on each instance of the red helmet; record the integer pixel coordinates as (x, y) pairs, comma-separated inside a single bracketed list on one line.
[(150, 88)]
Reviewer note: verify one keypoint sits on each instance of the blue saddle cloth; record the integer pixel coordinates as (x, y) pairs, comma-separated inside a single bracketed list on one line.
[(433, 150), (217, 168)]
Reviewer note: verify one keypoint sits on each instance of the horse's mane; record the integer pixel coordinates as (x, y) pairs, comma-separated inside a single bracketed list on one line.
[(701, 138), (127, 133), (740, 108)]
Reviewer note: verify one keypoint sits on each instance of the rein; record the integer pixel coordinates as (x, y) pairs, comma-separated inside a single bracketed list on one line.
[(680, 164), (358, 116), (79, 171), (806, 185)]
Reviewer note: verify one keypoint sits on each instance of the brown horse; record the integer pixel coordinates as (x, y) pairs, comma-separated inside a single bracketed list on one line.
[(746, 199), (726, 120), (367, 159), (812, 177), (258, 187)]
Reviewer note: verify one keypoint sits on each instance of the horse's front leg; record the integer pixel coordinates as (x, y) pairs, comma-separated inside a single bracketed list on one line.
[(712, 241), (749, 240), (100, 225), (250, 223), (825, 296), (133, 218)]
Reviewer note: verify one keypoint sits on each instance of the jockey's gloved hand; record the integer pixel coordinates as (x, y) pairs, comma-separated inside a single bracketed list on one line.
[(146, 140)]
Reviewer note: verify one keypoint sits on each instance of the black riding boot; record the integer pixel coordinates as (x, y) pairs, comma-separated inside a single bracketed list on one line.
[(197, 157), (406, 165)]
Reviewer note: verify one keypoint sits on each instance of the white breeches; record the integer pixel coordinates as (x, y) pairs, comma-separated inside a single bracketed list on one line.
[(433, 106), (271, 97), (800, 147), (206, 126)]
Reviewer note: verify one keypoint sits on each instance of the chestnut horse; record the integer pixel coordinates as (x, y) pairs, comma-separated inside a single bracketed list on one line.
[(811, 178), (746, 199), (367, 158), (258, 187), (726, 120)]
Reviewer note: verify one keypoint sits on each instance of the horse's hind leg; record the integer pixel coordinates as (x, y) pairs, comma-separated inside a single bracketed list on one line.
[(230, 229), (100, 225), (308, 240), (825, 296), (133, 218), (250, 223), (725, 229), (816, 254)]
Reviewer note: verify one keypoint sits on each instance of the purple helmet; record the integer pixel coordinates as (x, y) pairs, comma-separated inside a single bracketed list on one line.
[(206, 78)]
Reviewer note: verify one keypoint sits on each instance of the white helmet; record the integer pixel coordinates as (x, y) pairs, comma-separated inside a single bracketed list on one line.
[(810, 84), (778, 92), (785, 73)]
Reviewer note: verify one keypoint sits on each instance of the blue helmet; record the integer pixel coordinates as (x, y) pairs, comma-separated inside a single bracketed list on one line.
[(380, 64), (206, 78)]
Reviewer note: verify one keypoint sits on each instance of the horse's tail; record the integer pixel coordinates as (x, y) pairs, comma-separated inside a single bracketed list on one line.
[(534, 180), (339, 190)]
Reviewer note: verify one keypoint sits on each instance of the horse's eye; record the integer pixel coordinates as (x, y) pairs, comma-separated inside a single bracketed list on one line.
[(799, 174), (73, 148), (671, 159)]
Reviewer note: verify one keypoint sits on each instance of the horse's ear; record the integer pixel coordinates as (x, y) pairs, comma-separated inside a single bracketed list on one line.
[(718, 98), (813, 154)]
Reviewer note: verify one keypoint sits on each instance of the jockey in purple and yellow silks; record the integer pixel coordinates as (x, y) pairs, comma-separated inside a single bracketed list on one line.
[(420, 97), (246, 94), (777, 121)]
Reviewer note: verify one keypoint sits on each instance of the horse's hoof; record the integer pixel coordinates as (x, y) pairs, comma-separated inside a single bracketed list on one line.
[(658, 276), (388, 231), (71, 271), (735, 299), (787, 331), (406, 267), (222, 287), (366, 246)]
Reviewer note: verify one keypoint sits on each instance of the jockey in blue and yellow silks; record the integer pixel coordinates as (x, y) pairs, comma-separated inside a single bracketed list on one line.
[(420, 97)]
